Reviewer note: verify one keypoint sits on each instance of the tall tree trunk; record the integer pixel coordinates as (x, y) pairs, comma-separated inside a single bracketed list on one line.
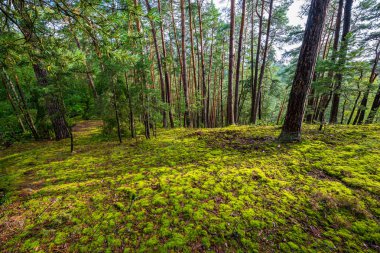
[(165, 67), (342, 62), (192, 47), (144, 85), (237, 78), (230, 111), (159, 65), (262, 70), (255, 80), (203, 69), (184, 78), (291, 130), (326, 97)]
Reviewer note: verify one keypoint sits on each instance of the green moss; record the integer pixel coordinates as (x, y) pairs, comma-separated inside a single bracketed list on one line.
[(233, 189)]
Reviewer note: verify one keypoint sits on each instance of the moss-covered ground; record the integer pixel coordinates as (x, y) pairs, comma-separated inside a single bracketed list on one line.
[(188, 190)]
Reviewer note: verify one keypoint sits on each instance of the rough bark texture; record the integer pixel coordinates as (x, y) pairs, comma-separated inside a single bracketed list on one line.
[(291, 130), (53, 105)]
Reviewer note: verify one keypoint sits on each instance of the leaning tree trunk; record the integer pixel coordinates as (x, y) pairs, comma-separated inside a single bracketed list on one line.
[(291, 131), (376, 101), (363, 105)]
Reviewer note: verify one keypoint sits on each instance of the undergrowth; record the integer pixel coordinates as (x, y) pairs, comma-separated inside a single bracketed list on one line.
[(219, 190)]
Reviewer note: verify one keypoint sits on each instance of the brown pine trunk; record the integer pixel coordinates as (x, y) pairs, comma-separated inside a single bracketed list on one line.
[(230, 111), (203, 69), (184, 78), (254, 98), (159, 65), (237, 78), (165, 67), (326, 97), (291, 130), (262, 70)]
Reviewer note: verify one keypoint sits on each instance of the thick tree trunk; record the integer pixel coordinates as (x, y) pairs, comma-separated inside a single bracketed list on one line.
[(342, 62), (230, 111), (53, 104), (291, 131)]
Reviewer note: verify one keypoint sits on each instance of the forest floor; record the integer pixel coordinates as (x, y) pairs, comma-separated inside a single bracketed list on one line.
[(189, 190)]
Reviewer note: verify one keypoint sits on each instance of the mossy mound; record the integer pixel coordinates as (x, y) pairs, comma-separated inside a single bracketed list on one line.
[(216, 190)]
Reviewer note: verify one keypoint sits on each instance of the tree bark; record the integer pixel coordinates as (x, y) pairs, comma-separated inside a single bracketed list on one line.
[(184, 78), (255, 80), (237, 78), (230, 111), (291, 130), (262, 69), (326, 97)]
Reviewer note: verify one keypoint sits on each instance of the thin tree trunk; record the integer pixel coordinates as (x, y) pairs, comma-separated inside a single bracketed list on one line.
[(184, 78), (327, 96), (159, 65), (230, 111), (129, 98), (255, 82), (237, 78), (342, 62), (376, 102), (203, 69), (262, 70)]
